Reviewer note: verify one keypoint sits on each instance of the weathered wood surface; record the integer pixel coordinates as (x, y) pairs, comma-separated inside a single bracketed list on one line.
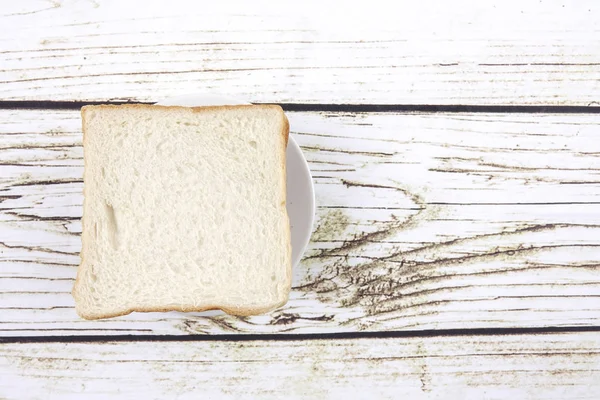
[(553, 366), (425, 221), (404, 52)]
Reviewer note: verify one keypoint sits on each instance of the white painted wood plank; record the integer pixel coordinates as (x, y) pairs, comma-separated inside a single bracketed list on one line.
[(548, 366), (424, 221), (404, 52)]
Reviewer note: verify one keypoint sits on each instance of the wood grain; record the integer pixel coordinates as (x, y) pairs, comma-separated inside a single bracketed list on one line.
[(425, 221), (553, 366), (404, 52)]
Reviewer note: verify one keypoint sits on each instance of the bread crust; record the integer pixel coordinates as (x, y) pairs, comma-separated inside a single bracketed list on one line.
[(240, 312), (285, 131), (86, 241), (194, 109)]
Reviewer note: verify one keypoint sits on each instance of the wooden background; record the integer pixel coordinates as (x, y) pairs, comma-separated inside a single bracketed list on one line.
[(455, 150)]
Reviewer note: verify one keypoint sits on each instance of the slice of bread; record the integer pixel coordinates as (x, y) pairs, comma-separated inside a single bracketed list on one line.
[(184, 210)]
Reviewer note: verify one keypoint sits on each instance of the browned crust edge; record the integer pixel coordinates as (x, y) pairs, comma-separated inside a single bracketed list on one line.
[(243, 312), (240, 312), (286, 133), (194, 109)]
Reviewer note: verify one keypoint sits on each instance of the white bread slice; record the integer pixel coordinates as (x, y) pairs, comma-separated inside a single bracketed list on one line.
[(184, 210)]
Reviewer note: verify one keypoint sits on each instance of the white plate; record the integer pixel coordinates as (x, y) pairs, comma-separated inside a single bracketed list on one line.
[(300, 190)]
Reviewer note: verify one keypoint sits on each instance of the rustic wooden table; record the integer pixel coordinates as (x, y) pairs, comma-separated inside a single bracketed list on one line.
[(455, 149)]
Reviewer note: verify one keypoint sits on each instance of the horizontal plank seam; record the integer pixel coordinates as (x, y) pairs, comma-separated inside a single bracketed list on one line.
[(321, 107), (307, 336)]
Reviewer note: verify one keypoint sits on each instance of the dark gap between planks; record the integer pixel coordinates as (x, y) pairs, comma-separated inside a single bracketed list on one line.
[(298, 337), (428, 108)]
